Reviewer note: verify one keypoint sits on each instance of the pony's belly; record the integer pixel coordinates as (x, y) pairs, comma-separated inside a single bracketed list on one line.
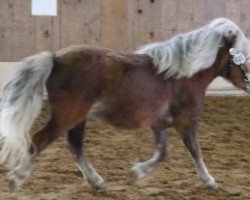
[(122, 118)]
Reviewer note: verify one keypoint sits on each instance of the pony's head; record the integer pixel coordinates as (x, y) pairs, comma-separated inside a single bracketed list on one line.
[(237, 74), (237, 69)]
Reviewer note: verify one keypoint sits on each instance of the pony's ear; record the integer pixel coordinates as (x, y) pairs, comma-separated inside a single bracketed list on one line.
[(230, 39)]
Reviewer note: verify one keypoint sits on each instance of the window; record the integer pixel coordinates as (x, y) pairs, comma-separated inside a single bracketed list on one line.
[(44, 7)]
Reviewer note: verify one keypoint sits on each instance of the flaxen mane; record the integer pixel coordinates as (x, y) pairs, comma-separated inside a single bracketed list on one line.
[(188, 53)]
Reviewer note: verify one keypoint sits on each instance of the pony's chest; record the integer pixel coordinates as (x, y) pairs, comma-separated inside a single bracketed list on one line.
[(184, 111)]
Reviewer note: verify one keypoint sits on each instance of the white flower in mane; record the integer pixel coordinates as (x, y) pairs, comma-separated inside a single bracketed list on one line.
[(188, 53)]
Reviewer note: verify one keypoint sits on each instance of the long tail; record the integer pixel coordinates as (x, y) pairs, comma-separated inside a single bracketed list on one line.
[(21, 104)]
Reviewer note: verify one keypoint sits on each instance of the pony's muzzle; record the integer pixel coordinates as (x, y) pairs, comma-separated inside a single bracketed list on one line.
[(248, 88), (247, 80)]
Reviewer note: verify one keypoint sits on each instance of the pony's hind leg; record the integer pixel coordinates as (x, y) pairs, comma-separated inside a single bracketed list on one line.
[(190, 138), (140, 169), (64, 115), (75, 139)]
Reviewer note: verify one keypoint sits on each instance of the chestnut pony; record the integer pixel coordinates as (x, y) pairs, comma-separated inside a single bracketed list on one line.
[(162, 85)]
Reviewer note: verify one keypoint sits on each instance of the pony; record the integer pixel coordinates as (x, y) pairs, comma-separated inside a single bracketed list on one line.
[(161, 86)]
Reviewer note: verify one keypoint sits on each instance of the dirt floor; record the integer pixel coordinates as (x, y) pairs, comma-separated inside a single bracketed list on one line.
[(225, 140)]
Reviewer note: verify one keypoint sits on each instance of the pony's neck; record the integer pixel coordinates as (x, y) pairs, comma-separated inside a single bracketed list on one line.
[(206, 76)]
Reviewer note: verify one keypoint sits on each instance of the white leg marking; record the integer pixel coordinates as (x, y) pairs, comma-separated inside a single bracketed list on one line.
[(90, 174), (140, 169), (204, 175)]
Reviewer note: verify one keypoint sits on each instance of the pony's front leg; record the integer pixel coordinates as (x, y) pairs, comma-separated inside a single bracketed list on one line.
[(75, 139), (189, 135), (140, 169)]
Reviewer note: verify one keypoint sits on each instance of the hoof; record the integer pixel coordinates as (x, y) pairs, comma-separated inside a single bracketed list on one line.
[(136, 174), (132, 178), (210, 183), (101, 186), (139, 171), (212, 186), (97, 183)]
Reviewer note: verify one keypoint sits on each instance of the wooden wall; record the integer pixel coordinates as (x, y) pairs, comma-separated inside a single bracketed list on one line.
[(118, 24)]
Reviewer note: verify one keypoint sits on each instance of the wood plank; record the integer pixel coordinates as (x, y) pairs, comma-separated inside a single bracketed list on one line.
[(233, 11), (43, 36), (148, 21), (169, 18), (80, 22), (244, 16), (6, 30), (55, 35), (133, 25), (215, 9), (23, 30), (199, 12), (48, 32), (185, 16), (70, 29), (89, 16), (114, 23)]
